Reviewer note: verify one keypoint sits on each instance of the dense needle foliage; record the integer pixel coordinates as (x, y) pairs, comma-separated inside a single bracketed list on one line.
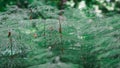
[(41, 37)]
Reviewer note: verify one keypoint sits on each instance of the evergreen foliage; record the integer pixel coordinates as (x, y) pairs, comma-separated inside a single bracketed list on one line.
[(33, 38)]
